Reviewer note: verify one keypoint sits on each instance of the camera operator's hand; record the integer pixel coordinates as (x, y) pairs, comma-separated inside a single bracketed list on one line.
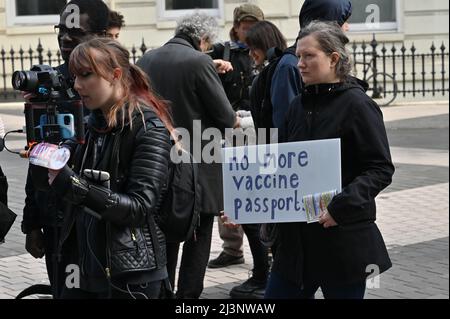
[(34, 243), (28, 96), (222, 66)]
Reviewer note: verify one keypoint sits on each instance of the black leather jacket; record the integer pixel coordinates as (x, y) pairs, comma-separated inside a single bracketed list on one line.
[(126, 240)]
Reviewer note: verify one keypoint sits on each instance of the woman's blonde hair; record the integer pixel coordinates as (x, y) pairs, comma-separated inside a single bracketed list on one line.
[(102, 56)]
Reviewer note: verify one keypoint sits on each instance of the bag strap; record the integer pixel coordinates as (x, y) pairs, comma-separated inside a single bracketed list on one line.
[(197, 197), (273, 53), (227, 51), (274, 56)]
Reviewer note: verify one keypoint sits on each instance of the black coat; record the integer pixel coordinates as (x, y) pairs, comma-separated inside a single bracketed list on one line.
[(340, 254), (188, 79)]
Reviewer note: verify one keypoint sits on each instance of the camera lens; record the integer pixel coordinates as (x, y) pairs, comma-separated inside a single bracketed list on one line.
[(19, 79), (27, 81), (67, 120)]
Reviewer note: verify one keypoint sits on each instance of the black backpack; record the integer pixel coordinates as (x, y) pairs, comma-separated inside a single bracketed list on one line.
[(179, 214), (261, 103)]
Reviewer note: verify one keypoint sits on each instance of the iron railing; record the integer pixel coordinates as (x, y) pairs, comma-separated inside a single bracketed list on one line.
[(403, 70), (397, 69)]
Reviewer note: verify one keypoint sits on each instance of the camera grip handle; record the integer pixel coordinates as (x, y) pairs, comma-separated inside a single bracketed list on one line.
[(77, 108)]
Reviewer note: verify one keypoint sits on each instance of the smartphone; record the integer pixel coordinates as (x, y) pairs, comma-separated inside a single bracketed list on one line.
[(65, 122), (98, 177)]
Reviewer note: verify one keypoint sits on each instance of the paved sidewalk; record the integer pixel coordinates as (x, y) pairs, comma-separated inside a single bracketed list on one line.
[(413, 213), (415, 226)]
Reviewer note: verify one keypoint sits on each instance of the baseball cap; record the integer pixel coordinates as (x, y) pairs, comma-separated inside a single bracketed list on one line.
[(248, 11)]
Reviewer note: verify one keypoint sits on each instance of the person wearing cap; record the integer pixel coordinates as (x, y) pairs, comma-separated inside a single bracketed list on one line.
[(237, 82), (236, 85)]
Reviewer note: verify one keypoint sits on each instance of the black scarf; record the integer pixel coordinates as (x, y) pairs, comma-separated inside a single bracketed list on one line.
[(194, 43)]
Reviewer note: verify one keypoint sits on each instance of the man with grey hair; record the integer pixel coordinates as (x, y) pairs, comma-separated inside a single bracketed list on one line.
[(198, 27), (187, 78)]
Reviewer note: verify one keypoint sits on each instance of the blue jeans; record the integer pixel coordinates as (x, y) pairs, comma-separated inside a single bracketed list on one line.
[(279, 288)]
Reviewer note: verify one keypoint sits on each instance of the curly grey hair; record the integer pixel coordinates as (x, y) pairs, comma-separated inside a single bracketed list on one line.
[(198, 26), (331, 39)]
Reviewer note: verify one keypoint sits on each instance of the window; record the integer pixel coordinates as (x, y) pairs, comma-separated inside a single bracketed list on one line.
[(374, 15), (34, 12), (172, 9)]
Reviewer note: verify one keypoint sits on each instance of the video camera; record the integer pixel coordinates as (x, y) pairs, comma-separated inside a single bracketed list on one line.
[(56, 111)]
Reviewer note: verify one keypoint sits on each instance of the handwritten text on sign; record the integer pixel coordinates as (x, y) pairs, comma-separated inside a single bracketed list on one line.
[(266, 183)]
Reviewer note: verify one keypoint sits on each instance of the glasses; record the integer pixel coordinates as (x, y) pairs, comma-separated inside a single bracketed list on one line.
[(72, 32), (76, 32)]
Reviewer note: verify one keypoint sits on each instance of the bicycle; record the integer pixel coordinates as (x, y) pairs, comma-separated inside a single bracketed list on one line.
[(383, 87)]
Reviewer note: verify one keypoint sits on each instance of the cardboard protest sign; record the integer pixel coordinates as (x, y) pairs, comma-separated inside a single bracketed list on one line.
[(269, 183)]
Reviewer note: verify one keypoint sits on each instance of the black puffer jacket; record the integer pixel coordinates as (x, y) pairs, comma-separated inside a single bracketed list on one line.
[(126, 240), (340, 254)]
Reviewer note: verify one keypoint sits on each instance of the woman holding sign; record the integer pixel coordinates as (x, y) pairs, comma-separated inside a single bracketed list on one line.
[(344, 247), (260, 38), (109, 231)]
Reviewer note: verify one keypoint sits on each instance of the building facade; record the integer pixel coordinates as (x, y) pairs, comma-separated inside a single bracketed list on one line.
[(23, 23)]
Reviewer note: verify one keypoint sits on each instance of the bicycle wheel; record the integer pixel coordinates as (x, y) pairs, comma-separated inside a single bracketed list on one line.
[(387, 89)]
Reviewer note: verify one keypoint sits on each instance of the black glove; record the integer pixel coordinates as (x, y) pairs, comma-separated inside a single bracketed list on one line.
[(39, 176)]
